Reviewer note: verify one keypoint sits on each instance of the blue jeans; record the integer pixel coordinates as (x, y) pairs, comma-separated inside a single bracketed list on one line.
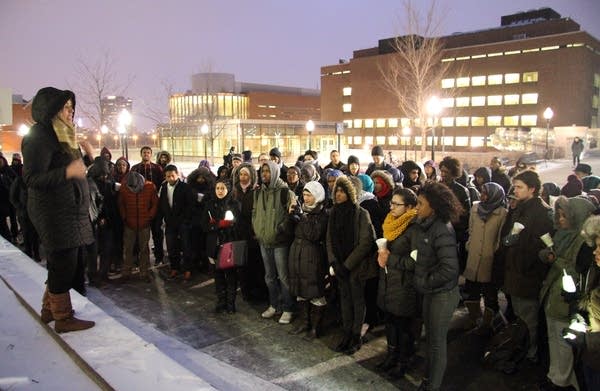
[(437, 313), (275, 260)]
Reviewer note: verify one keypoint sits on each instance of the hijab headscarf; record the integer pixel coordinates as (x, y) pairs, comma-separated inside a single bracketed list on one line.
[(495, 199)]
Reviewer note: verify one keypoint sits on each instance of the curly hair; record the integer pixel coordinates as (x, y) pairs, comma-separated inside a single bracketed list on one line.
[(408, 196), (453, 165), (442, 200)]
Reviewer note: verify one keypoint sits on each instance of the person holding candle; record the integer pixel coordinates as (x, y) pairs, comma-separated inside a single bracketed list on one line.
[(568, 249), (397, 296)]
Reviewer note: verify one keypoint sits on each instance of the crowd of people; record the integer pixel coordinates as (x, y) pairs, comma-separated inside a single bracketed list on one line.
[(392, 241)]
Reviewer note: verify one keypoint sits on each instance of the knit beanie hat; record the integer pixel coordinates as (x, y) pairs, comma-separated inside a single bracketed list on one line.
[(367, 183), (275, 152), (353, 159), (316, 189), (573, 188), (377, 151)]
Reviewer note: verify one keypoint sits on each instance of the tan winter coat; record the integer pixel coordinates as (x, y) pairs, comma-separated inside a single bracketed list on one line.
[(484, 240)]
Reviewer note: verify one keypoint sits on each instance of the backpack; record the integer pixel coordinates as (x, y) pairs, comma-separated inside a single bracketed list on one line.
[(507, 347)]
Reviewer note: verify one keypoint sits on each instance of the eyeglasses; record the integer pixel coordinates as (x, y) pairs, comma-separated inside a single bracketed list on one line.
[(392, 203)]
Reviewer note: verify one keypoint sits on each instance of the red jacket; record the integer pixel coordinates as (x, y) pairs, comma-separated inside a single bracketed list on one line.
[(138, 210)]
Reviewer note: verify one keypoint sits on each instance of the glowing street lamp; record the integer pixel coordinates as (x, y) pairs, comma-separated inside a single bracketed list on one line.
[(310, 127), (154, 140), (99, 138), (23, 130), (434, 106), (548, 114), (204, 131), (104, 129), (124, 122)]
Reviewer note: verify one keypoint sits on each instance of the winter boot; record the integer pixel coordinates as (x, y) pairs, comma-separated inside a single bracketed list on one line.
[(64, 321), (317, 312), (354, 345), (304, 323), (46, 314), (391, 335), (231, 295), (344, 343), (474, 312)]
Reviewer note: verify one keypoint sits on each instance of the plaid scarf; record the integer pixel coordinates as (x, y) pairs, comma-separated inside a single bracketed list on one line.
[(65, 133), (395, 226)]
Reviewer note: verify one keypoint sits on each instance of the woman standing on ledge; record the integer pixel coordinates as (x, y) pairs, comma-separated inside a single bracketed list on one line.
[(59, 200)]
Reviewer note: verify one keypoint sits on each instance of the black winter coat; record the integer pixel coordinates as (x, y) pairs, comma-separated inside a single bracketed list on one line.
[(396, 293), (58, 207), (179, 213), (436, 269), (307, 260), (212, 223)]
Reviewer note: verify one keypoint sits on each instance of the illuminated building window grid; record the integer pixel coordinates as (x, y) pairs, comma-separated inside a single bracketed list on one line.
[(490, 80)]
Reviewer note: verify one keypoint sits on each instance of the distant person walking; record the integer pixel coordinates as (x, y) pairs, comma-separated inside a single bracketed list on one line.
[(576, 149)]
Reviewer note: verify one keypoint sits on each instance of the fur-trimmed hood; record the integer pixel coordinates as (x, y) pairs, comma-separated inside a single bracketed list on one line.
[(236, 175), (348, 188), (385, 175)]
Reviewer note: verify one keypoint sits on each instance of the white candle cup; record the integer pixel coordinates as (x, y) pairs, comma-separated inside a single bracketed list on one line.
[(117, 186), (413, 255), (228, 215), (517, 228), (568, 284), (547, 239), (381, 243), (199, 197)]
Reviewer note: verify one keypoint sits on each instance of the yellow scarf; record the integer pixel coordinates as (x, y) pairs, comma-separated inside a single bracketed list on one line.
[(65, 132), (395, 226)]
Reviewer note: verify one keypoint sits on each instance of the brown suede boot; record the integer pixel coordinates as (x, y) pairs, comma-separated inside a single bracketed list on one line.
[(46, 313), (64, 321)]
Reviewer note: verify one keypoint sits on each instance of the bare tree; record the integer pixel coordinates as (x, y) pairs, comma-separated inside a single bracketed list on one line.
[(94, 81), (414, 71)]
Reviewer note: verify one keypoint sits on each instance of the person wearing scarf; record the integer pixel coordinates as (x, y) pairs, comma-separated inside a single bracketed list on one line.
[(350, 244), (397, 296), (485, 223), (58, 200), (307, 262), (569, 251), (384, 185)]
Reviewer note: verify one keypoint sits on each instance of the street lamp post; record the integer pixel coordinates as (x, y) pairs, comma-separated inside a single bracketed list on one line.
[(310, 127), (124, 122), (406, 133), (548, 114), (204, 131), (434, 106)]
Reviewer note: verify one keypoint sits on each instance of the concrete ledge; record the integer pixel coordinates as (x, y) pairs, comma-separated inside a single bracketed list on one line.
[(120, 358)]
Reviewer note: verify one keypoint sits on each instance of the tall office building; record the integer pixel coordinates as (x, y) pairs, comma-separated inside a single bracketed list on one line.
[(498, 83)]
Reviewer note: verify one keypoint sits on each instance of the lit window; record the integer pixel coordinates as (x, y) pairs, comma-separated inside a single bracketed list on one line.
[(531, 50), (450, 59), (380, 123), (380, 140), (368, 123), (478, 101), (404, 122), (494, 100), (369, 140), (418, 140), (511, 78), (393, 140), (462, 101), (463, 58), (358, 140), (347, 91), (272, 107), (393, 122), (448, 121), (529, 99), (347, 107), (347, 71), (494, 79), (350, 140), (463, 81), (477, 141), (511, 120), (528, 120), (530, 77), (448, 140), (462, 121), (478, 80), (596, 80), (358, 123), (595, 102), (477, 121), (512, 99), (447, 102), (512, 52), (495, 54), (494, 120), (550, 48), (348, 123), (447, 83), (478, 56), (462, 141)]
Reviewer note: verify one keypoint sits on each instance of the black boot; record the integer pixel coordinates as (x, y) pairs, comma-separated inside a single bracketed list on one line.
[(391, 335), (221, 289), (344, 343), (231, 292), (316, 318), (303, 323), (354, 345)]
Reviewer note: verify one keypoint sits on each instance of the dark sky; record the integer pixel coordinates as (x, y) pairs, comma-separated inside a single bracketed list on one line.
[(281, 42)]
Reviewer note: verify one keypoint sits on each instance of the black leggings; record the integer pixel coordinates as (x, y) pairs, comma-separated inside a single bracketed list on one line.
[(63, 269)]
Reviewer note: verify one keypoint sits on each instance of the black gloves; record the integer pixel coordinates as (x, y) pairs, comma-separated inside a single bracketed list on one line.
[(340, 270)]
